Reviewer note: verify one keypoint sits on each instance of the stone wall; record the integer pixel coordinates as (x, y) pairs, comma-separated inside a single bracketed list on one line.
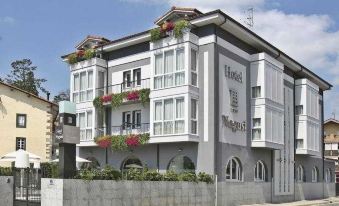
[(58, 192), (6, 191), (100, 192)]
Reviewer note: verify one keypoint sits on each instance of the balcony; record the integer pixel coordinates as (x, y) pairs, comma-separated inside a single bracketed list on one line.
[(125, 87), (124, 129)]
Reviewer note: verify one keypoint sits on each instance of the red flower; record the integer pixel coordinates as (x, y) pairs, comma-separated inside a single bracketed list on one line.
[(167, 26), (134, 95), (106, 98), (80, 53), (132, 141), (104, 142)]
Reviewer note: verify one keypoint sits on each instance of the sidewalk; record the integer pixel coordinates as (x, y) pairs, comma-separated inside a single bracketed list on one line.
[(330, 201)]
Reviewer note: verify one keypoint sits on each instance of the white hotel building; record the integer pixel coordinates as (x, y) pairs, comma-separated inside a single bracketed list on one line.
[(222, 100)]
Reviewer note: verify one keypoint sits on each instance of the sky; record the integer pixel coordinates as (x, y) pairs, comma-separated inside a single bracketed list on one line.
[(307, 30)]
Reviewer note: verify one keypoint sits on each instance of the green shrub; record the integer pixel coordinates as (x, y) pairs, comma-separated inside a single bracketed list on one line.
[(179, 26), (72, 58), (152, 175), (6, 171), (171, 176), (89, 54), (88, 174), (134, 174), (49, 170), (109, 173), (188, 176), (155, 34), (203, 177)]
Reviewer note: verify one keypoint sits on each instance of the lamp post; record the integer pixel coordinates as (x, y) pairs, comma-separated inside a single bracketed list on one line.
[(22, 163)]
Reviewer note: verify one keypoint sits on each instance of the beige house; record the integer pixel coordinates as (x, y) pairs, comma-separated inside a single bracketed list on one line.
[(331, 141), (26, 122)]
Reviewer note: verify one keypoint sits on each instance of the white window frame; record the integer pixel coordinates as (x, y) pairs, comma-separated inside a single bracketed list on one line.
[(315, 174), (254, 93), (196, 118), (174, 71), (86, 128), (196, 67), (173, 120), (86, 90), (256, 128), (328, 175), (257, 166), (238, 169), (300, 173)]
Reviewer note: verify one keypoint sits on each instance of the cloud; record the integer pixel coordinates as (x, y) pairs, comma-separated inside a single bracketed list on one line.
[(7, 20)]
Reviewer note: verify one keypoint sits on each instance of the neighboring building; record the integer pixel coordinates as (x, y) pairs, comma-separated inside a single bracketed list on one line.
[(331, 141), (26, 122), (222, 100)]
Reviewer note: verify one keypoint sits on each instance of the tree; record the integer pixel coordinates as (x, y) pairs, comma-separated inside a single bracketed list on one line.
[(22, 76), (62, 96)]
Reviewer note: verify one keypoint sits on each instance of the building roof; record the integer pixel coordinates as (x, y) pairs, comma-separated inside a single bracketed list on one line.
[(244, 30), (174, 9), (28, 93), (331, 120), (92, 37)]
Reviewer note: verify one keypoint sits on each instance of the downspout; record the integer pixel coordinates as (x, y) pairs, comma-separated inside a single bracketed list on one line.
[(322, 141)]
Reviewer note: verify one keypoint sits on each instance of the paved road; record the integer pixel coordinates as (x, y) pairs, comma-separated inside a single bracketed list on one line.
[(334, 201)]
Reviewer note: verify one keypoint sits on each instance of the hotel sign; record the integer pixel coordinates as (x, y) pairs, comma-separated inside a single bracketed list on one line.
[(234, 125), (232, 74)]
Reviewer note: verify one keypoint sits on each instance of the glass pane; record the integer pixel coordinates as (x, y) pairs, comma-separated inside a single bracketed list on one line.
[(168, 127), (90, 80), (89, 119), (180, 78), (168, 62), (158, 82), (101, 79), (83, 82), (194, 127), (158, 111), (83, 96), (82, 121), (194, 79), (157, 128), (180, 108), (158, 65), (76, 97), (193, 60), (90, 94), (168, 82), (76, 83), (168, 109), (88, 134), (180, 60), (179, 126), (256, 122), (256, 134), (193, 109), (181, 164)]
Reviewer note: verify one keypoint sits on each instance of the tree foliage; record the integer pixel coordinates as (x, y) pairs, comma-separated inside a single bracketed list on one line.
[(62, 96), (22, 76)]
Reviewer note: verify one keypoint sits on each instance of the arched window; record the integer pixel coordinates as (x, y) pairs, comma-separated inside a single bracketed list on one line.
[(260, 172), (234, 170), (131, 163), (181, 164), (315, 175), (328, 175), (300, 174), (93, 164)]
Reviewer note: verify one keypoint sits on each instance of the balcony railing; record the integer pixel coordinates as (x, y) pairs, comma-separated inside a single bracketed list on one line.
[(125, 86), (124, 129)]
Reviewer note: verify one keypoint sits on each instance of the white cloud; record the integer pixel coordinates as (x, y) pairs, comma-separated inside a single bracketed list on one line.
[(7, 20)]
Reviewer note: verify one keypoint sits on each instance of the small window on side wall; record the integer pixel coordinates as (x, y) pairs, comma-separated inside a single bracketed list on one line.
[(256, 92), (20, 143), (299, 109), (21, 120)]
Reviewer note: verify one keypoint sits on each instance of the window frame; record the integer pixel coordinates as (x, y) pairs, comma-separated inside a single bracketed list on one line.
[(328, 175), (300, 174), (86, 128), (174, 71), (256, 128), (238, 168), (253, 92), (196, 67), (315, 174), (18, 115), (297, 109), (194, 119), (263, 172), (24, 143), (86, 90)]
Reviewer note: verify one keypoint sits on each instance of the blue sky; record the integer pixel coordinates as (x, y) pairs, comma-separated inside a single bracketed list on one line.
[(44, 30)]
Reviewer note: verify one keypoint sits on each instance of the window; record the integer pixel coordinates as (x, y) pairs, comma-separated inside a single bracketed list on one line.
[(260, 172), (137, 119), (126, 120), (299, 109), (328, 175), (127, 79), (84, 121), (256, 129), (137, 77), (300, 143), (181, 164), (83, 86), (20, 143), (169, 69), (256, 92), (315, 174), (194, 75), (300, 174), (233, 170), (21, 120), (169, 116), (131, 163), (194, 116), (101, 83)]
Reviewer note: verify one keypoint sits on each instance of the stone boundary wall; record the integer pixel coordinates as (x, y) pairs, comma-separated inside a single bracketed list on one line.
[(59, 192), (6, 191)]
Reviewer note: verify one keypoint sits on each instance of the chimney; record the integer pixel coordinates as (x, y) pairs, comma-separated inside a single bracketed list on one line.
[(48, 95)]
